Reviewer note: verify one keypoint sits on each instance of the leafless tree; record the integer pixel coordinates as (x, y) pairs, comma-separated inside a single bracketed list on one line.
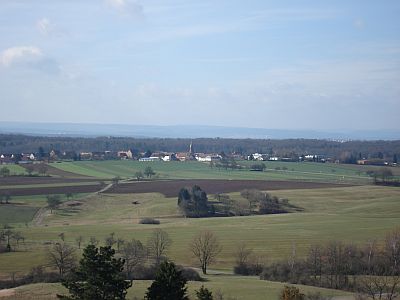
[(392, 250), (205, 247), (62, 256), (120, 242), (158, 244), (42, 168), (314, 261), (370, 251), (134, 254), (110, 240), (93, 241), (242, 254), (79, 240), (380, 287)]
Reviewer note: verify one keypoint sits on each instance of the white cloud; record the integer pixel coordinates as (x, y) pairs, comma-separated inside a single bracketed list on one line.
[(45, 26), (18, 54), (126, 7)]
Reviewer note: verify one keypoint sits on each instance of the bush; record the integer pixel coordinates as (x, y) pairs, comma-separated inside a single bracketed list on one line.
[(149, 273), (248, 269), (190, 274), (149, 221)]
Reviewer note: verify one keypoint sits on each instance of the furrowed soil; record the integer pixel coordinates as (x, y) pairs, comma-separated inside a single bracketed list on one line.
[(28, 180), (171, 188)]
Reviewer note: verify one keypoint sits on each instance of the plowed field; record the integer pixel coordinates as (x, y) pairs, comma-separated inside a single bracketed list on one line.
[(171, 188)]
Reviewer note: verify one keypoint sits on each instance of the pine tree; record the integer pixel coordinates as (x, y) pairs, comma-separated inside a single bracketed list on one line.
[(99, 276), (169, 284)]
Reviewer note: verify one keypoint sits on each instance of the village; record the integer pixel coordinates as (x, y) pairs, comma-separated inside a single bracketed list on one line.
[(190, 155)]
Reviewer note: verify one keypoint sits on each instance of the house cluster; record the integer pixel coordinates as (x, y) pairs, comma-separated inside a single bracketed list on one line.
[(22, 158), (55, 155), (293, 158)]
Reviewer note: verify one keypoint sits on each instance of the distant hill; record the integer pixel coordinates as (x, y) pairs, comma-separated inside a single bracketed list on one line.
[(187, 131)]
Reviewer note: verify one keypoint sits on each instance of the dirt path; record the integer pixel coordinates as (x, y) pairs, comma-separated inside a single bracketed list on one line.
[(39, 216)]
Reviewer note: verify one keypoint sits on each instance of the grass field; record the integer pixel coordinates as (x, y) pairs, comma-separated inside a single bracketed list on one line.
[(15, 169), (240, 287), (352, 214), (197, 170)]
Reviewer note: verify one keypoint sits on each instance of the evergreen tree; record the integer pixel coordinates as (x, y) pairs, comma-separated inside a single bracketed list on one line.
[(194, 202), (169, 284), (99, 276), (204, 294)]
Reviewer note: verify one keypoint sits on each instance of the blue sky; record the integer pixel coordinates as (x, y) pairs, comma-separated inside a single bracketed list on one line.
[(270, 64)]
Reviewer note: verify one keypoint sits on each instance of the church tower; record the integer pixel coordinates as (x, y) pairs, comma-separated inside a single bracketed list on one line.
[(191, 149)]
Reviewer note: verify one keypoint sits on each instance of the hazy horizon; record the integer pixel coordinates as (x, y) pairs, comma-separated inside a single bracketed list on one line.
[(188, 131), (304, 65)]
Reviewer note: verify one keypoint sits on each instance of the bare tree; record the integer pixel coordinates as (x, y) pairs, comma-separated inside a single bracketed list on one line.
[(380, 287), (62, 256), (110, 240), (120, 242), (42, 169), (134, 254), (370, 251), (314, 261), (242, 254), (392, 250), (205, 247), (93, 241), (79, 240), (158, 244)]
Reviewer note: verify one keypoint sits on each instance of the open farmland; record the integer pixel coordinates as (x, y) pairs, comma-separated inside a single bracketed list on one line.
[(170, 188), (338, 208), (197, 170), (331, 213)]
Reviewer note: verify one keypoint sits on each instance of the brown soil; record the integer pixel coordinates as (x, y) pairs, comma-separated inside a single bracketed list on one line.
[(52, 190), (171, 188), (25, 180)]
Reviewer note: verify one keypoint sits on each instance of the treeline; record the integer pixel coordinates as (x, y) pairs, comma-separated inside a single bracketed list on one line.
[(337, 265), (11, 143)]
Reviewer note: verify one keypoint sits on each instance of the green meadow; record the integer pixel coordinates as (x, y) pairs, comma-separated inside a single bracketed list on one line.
[(197, 170), (351, 214)]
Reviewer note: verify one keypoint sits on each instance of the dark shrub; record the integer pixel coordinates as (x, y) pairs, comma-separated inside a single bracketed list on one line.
[(149, 221)]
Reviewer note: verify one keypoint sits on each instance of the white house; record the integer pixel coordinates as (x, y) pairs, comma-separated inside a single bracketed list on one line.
[(207, 157), (151, 158)]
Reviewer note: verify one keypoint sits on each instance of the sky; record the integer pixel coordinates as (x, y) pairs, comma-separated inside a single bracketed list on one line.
[(321, 65)]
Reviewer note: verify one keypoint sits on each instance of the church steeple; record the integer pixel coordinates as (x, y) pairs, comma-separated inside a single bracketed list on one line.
[(191, 149)]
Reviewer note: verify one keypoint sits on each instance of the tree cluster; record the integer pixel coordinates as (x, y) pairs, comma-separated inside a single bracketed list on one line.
[(9, 239), (264, 203), (338, 265), (194, 203)]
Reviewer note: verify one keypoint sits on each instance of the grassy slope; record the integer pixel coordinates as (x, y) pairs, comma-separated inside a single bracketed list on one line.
[(352, 214), (249, 288), (195, 170), (22, 209), (14, 169)]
